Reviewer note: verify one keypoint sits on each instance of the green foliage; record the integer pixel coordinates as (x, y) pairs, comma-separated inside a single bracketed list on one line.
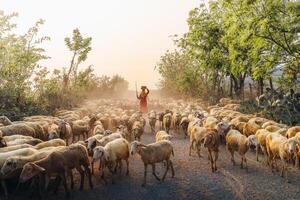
[(80, 48), (230, 41)]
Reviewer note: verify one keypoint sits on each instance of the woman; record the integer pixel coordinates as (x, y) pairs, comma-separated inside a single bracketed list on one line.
[(143, 99)]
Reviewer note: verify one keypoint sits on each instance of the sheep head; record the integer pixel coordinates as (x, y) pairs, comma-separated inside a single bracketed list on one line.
[(223, 128), (207, 140), (11, 164), (290, 145), (100, 153), (30, 170), (135, 147), (91, 144), (252, 140)]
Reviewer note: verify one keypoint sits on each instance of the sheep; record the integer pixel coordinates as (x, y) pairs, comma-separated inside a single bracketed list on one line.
[(103, 141), (269, 123), (235, 141), (210, 122), (261, 135), (64, 130), (17, 129), (17, 162), (58, 163), (154, 153), (273, 141), (253, 125), (32, 142), (111, 155), (19, 152), (167, 119), (184, 123), (159, 117), (91, 143), (53, 132), (137, 130), (50, 143), (196, 136), (291, 132), (195, 122), (78, 129), (14, 137), (211, 141), (152, 120), (15, 147), (272, 128), (39, 131), (176, 119), (286, 150), (162, 135)]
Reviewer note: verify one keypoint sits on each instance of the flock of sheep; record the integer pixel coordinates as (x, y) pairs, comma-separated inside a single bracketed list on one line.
[(41, 148)]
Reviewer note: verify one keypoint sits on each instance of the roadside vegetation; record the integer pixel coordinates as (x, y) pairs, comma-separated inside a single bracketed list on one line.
[(237, 49), (26, 88)]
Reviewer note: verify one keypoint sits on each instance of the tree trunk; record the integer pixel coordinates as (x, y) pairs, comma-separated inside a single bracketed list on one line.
[(261, 86), (271, 83), (231, 87)]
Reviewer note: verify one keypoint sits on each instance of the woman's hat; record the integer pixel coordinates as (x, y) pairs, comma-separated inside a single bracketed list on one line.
[(143, 87)]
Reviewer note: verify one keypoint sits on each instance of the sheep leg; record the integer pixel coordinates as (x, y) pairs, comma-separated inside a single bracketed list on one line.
[(145, 175), (88, 172), (57, 184), (232, 157), (172, 168), (191, 147), (92, 164), (63, 177), (79, 169), (70, 174), (257, 149), (242, 162), (127, 164), (198, 146), (120, 166), (167, 161), (153, 172), (246, 165), (3, 184), (211, 160), (216, 153), (102, 176)]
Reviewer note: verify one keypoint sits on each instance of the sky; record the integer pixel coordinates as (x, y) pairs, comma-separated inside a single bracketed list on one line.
[(128, 36)]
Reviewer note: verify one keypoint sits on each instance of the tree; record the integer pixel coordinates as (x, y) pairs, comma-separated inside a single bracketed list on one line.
[(80, 48)]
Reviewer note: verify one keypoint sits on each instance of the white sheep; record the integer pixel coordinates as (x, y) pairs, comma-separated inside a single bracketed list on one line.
[(19, 152), (154, 153), (111, 155)]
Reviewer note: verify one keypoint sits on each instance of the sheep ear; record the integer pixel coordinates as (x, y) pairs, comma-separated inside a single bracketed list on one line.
[(38, 168)]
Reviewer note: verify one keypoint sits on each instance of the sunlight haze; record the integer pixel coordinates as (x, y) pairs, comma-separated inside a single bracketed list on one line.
[(129, 36)]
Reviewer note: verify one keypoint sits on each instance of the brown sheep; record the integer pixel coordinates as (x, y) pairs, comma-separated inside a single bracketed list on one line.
[(235, 141), (59, 163), (211, 141), (184, 123), (167, 119)]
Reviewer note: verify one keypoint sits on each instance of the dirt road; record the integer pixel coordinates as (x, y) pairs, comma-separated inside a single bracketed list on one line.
[(193, 180)]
